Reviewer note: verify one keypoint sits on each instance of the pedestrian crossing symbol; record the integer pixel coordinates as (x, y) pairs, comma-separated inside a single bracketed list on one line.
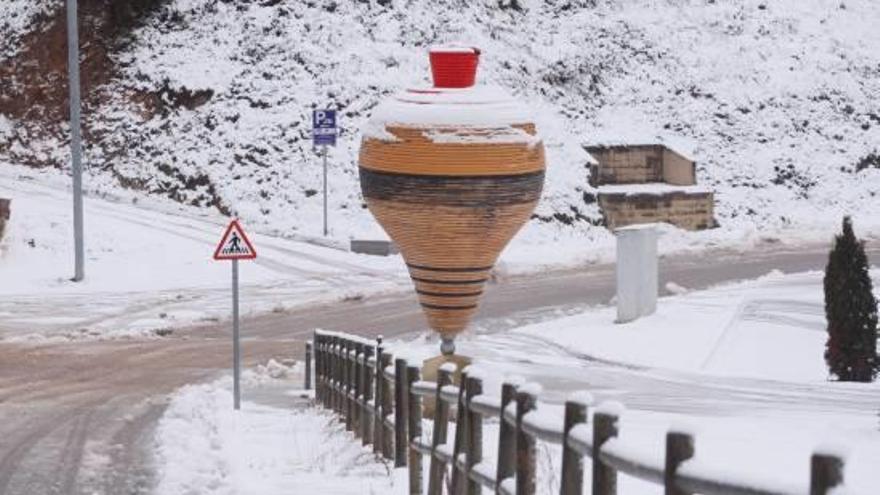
[(235, 244)]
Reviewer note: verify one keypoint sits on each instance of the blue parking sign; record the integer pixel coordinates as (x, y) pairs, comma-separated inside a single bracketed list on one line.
[(324, 127)]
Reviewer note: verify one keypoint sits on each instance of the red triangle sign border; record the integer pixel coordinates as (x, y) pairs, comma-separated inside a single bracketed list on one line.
[(235, 226)]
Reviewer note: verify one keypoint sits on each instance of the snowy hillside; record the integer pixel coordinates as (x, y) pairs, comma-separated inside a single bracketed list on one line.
[(778, 102)]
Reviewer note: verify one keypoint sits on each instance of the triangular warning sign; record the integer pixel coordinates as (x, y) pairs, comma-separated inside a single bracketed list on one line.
[(235, 244)]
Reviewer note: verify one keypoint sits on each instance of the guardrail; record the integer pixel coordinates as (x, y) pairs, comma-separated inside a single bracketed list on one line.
[(380, 399)]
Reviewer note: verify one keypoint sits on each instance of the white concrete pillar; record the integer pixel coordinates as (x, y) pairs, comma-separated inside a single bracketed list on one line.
[(637, 285)]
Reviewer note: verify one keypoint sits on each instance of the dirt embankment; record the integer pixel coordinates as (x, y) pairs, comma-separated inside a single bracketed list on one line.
[(34, 92)]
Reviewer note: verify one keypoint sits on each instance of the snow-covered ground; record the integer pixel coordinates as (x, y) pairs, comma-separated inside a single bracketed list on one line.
[(149, 266), (204, 447), (770, 328), (739, 366)]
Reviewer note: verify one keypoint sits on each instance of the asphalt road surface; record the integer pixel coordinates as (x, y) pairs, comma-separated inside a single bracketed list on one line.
[(78, 418)]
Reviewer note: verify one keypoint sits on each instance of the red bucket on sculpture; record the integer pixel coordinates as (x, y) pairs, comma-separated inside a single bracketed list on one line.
[(454, 67), (451, 173)]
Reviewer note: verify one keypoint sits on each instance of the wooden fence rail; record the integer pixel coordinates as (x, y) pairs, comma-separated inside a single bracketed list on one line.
[(379, 398)]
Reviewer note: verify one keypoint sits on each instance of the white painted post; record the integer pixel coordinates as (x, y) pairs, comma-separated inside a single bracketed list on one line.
[(637, 284)]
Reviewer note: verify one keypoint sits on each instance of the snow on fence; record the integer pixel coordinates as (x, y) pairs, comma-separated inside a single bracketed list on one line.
[(380, 399)]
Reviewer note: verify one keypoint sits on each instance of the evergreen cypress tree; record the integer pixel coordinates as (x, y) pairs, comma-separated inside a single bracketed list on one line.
[(851, 310)]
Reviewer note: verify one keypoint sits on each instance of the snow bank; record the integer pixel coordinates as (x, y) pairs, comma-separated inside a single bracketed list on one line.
[(204, 447)]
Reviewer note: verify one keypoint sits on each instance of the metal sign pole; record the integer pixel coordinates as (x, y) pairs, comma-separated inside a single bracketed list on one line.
[(325, 190), (236, 347), (75, 138)]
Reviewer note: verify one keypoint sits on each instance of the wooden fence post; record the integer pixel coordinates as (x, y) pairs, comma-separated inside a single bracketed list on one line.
[(679, 448), (387, 409), (337, 379), (506, 466), (357, 377), (441, 417), (367, 412), (322, 365), (347, 404), (307, 375), (572, 481), (474, 443), (308, 371), (326, 362), (334, 362), (400, 410), (351, 378), (377, 403), (604, 477), (316, 338), (826, 472), (461, 432), (413, 374), (525, 446)]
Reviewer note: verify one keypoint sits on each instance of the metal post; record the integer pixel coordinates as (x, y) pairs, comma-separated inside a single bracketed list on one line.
[(236, 348), (325, 190), (75, 138)]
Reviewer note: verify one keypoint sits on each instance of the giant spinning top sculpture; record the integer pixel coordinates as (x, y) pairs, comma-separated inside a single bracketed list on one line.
[(451, 172)]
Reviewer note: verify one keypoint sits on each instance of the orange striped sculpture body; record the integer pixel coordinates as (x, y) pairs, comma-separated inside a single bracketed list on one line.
[(451, 175)]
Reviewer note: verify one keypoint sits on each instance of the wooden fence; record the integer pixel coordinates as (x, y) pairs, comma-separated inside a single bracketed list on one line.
[(379, 398)]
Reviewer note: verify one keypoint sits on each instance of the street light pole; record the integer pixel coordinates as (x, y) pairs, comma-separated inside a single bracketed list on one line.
[(75, 138)]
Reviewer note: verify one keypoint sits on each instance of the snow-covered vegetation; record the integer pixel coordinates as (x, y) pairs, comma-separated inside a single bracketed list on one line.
[(778, 101)]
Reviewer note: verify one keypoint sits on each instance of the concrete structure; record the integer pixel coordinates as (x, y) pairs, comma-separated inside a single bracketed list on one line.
[(4, 215), (636, 272), (649, 183), (375, 248)]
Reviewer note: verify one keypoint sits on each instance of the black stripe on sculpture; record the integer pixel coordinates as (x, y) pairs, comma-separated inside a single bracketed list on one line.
[(448, 190), (450, 270), (439, 306), (445, 294), (450, 282)]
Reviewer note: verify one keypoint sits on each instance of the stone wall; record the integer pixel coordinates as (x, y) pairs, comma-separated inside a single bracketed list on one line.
[(4, 215), (686, 210), (677, 169), (626, 164), (640, 164)]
